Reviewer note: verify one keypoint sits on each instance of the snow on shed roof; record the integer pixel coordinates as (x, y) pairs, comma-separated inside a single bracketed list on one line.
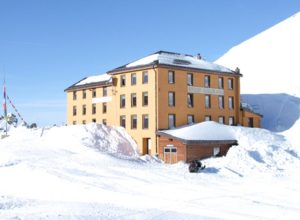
[(94, 79), (176, 59), (204, 131)]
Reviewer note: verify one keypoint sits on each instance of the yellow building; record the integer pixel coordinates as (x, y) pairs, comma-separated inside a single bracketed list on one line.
[(161, 91)]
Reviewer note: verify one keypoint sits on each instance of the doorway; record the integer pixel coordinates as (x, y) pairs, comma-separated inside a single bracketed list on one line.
[(147, 146)]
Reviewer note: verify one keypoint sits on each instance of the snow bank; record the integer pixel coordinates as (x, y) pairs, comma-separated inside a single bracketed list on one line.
[(259, 152), (111, 140), (293, 135)]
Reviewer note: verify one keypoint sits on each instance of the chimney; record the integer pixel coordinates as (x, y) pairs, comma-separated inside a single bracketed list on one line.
[(199, 56)]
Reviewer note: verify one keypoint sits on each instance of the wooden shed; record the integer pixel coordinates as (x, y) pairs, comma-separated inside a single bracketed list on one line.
[(195, 142)]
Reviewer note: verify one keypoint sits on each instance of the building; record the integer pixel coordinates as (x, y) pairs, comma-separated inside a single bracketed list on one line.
[(161, 91), (194, 142)]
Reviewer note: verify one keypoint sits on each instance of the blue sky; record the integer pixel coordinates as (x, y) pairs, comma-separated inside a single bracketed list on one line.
[(47, 45)]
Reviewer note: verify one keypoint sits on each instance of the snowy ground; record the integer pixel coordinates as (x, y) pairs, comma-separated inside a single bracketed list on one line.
[(64, 173)]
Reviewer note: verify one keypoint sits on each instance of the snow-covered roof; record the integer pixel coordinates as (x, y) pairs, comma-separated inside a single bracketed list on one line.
[(176, 59), (204, 131), (95, 79)]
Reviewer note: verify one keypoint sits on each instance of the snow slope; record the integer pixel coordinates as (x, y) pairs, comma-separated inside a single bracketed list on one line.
[(269, 61), (94, 172), (280, 111), (293, 134)]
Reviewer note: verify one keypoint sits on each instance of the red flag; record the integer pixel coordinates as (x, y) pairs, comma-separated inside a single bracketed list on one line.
[(4, 101)]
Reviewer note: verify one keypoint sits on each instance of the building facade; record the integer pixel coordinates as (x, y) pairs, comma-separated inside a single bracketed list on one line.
[(161, 91)]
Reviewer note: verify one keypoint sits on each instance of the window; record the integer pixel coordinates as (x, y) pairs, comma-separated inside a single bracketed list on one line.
[(230, 83), (230, 102), (84, 122), (221, 82), (84, 109), (133, 100), (221, 119), (145, 121), (133, 79), (74, 122), (123, 80), (94, 120), (231, 120), (123, 121), (133, 122), (207, 118), (104, 91), (94, 93), (221, 102), (74, 95), (207, 81), (74, 111), (104, 107), (171, 120), (84, 94), (171, 99), (207, 101), (145, 77), (190, 79), (122, 101), (190, 119), (190, 100), (94, 109), (104, 121), (216, 151), (171, 77), (145, 98)]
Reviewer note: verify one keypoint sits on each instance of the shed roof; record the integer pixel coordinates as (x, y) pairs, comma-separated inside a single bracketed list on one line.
[(201, 132)]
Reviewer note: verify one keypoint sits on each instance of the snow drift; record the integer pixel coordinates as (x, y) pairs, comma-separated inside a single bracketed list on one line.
[(259, 152), (80, 172), (111, 140)]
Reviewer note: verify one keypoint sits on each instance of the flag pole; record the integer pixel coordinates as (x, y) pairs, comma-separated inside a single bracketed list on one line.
[(4, 105)]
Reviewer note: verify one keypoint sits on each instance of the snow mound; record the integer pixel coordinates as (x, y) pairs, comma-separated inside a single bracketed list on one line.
[(293, 134), (259, 151), (111, 140)]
